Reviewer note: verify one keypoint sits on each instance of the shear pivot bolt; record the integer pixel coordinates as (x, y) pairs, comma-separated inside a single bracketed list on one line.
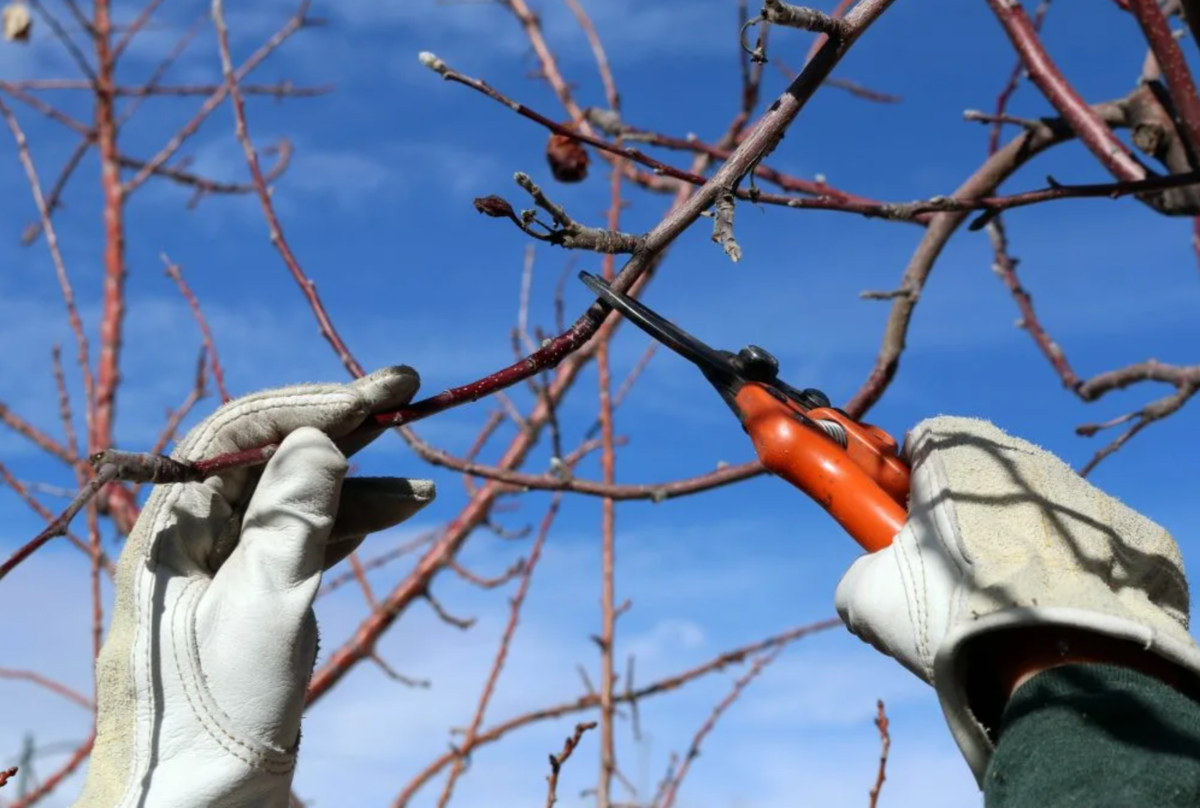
[(819, 398), (757, 363)]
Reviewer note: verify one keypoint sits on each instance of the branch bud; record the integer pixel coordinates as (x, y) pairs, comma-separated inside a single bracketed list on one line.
[(435, 64), (16, 22)]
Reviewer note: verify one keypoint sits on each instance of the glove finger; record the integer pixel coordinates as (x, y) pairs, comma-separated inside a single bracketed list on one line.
[(257, 635), (289, 519), (370, 505), (268, 416)]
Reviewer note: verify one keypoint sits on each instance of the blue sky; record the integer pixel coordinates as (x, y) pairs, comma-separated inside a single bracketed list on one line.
[(378, 207)]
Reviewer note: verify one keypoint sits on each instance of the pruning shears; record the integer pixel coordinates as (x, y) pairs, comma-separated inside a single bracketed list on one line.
[(849, 468)]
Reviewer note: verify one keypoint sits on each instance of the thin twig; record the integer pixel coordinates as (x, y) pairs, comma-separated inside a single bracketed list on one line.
[(176, 274), (104, 475), (45, 513), (52, 782), (693, 751), (514, 617), (46, 683), (60, 267), (590, 701), (999, 118), (557, 761), (1091, 130), (1175, 71), (885, 746)]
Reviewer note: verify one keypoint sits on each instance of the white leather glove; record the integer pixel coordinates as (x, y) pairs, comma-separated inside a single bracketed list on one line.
[(1003, 534), (202, 678)]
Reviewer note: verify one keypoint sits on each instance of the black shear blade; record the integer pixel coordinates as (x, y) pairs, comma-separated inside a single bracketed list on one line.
[(665, 332)]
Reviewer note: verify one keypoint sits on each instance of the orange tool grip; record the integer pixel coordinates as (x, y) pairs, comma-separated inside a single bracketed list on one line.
[(814, 463)]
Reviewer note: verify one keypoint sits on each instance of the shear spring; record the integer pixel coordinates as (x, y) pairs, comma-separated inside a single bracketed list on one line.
[(834, 430)]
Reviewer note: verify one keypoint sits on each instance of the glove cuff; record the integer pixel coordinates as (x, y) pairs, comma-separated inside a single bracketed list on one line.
[(950, 672)]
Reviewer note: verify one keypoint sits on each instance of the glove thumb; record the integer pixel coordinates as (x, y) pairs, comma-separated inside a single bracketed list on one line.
[(872, 601)]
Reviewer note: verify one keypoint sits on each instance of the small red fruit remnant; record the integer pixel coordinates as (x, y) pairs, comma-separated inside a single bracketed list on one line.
[(567, 157)]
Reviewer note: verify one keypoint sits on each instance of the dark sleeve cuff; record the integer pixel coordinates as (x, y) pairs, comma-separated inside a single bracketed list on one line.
[(1096, 735)]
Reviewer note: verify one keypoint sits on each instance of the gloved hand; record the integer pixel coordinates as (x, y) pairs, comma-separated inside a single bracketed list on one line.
[(1004, 536), (202, 678)]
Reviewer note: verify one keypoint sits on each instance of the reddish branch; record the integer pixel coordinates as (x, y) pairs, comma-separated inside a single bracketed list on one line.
[(65, 414), (1174, 68), (1005, 266), (602, 66), (1083, 120), (41, 510), (608, 535), (60, 268), (218, 95), (93, 517), (34, 435), (277, 90), (54, 780), (175, 417), (1185, 379), (983, 182), (112, 318), (827, 196), (1014, 81), (335, 582), (58, 526), (309, 288), (550, 371), (47, 683), (210, 348), (754, 147)]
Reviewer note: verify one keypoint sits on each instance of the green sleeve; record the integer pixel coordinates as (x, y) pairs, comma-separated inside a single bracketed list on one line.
[(1096, 736)]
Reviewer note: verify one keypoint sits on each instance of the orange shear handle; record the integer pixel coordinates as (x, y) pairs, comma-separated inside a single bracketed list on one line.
[(864, 486)]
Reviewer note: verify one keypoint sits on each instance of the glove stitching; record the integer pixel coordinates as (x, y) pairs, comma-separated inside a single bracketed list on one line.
[(264, 759), (138, 769), (920, 619), (222, 421)]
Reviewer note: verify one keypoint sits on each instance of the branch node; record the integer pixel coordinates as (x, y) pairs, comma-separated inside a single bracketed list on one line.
[(808, 19), (723, 226)]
